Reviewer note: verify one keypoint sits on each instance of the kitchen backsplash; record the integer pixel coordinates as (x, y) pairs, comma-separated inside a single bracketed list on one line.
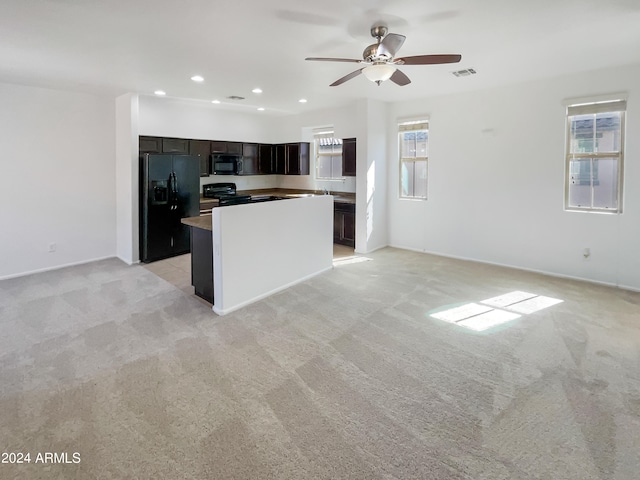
[(304, 182)]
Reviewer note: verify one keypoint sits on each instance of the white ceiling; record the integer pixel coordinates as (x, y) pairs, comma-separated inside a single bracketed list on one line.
[(117, 46)]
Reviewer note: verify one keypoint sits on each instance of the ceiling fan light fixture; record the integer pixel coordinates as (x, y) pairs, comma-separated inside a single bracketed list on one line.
[(379, 73)]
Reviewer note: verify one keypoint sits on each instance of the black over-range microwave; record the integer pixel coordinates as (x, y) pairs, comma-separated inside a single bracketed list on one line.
[(226, 164)]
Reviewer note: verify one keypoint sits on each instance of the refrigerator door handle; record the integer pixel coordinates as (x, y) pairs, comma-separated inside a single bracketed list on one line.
[(174, 191)]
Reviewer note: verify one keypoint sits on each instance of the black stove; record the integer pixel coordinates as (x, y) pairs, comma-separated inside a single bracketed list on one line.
[(226, 194), (217, 190)]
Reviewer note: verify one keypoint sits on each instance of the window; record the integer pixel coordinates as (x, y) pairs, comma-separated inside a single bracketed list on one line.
[(595, 144), (328, 155), (413, 138)]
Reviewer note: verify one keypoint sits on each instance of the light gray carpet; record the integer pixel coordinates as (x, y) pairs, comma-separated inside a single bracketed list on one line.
[(344, 376)]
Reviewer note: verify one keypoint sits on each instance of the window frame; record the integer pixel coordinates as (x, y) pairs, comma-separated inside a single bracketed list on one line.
[(594, 108), (327, 132), (404, 160)]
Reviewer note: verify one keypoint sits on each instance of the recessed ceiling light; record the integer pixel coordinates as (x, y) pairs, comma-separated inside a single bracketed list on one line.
[(197, 78), (215, 101), (303, 100), (160, 92), (261, 108), (257, 90)]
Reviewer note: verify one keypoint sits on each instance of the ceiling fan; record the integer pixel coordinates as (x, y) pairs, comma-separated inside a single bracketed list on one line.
[(380, 62)]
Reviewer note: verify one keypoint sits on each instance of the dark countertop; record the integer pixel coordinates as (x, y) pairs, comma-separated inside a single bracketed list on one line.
[(339, 197), (203, 222)]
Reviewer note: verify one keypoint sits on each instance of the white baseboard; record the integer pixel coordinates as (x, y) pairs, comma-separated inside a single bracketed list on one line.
[(233, 308), (57, 267), (518, 267)]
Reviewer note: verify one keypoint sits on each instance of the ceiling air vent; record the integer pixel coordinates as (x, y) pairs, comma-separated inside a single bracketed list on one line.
[(464, 73), (235, 97)]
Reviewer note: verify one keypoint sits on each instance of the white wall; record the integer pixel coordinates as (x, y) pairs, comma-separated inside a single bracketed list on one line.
[(261, 248), (58, 178), (166, 117), (496, 181)]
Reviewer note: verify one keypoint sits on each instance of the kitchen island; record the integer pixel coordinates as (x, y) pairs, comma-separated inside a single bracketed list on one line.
[(201, 255), (344, 215), (246, 252)]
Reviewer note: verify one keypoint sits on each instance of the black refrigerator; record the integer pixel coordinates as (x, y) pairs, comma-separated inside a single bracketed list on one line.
[(169, 191)]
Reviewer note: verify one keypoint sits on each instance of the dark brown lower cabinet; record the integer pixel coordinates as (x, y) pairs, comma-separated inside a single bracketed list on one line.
[(202, 263), (344, 224)]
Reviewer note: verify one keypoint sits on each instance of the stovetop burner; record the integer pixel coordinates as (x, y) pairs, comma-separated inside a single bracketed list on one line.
[(233, 199), (218, 190)]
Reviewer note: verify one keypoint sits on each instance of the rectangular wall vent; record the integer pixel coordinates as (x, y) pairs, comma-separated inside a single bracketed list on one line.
[(464, 73)]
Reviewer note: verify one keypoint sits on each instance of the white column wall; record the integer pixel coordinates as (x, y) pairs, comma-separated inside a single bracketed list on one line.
[(58, 179), (127, 178), (496, 181), (371, 194)]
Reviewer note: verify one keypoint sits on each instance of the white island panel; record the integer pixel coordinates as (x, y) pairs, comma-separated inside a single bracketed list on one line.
[(262, 248)]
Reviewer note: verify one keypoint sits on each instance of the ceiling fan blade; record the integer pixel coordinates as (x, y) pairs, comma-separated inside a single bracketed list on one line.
[(428, 59), (340, 81), (400, 78), (324, 59), (391, 44)]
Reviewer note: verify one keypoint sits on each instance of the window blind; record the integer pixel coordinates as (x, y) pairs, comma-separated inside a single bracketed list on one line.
[(413, 126), (326, 132), (601, 107)]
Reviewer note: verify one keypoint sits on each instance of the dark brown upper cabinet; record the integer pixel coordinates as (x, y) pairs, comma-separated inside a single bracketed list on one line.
[(202, 150), (250, 159), (150, 144), (257, 159), (349, 157), (279, 160), (218, 147), (234, 147), (297, 158), (175, 145), (265, 159), (226, 147)]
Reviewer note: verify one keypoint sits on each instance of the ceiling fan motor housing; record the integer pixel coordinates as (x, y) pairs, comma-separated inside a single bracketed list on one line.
[(374, 53), (379, 31)]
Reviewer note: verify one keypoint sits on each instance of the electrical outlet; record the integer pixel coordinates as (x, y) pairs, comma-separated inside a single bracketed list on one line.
[(52, 247)]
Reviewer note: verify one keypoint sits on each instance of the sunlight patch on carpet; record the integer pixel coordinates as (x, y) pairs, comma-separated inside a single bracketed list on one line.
[(495, 311), (341, 262)]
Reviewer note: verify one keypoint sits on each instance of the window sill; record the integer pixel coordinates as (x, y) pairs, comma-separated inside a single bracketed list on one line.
[(413, 199), (592, 210)]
